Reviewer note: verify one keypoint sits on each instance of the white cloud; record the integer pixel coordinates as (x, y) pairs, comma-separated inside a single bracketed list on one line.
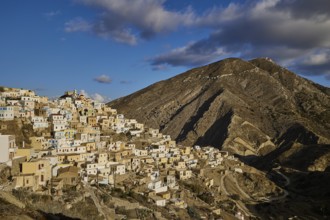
[(317, 59), (77, 24), (120, 35), (286, 30), (103, 79), (263, 6), (95, 96), (124, 36), (100, 98), (83, 92), (125, 20), (215, 16), (281, 29), (148, 16)]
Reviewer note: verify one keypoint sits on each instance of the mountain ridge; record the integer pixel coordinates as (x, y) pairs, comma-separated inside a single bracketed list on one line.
[(242, 106)]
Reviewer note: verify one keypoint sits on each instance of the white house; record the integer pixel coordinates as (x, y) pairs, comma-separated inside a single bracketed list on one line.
[(28, 104), (92, 168), (58, 126), (39, 122), (116, 167), (184, 174), (30, 98), (58, 122), (102, 158), (7, 148), (81, 149), (119, 169), (170, 181), (142, 153), (59, 134), (7, 113), (159, 200)]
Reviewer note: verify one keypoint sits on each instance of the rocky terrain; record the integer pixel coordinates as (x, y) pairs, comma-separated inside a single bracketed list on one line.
[(273, 119), (250, 108), (275, 124), (224, 196)]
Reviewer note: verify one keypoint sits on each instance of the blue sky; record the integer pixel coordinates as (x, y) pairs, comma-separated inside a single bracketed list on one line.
[(111, 48)]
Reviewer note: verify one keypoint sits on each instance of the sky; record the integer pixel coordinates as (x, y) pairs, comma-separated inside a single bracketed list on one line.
[(107, 49)]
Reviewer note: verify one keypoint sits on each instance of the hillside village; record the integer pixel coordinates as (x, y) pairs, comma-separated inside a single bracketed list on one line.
[(75, 140)]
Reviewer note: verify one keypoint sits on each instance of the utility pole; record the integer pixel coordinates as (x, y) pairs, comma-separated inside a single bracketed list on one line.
[(97, 178), (113, 170)]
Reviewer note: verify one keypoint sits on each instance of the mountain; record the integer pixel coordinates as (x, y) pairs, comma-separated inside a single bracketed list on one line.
[(247, 107), (270, 117)]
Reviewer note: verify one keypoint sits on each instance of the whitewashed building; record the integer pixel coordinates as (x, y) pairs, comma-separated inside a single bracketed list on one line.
[(7, 113)]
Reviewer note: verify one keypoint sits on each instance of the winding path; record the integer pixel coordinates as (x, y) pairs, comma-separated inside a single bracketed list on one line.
[(236, 188), (245, 195), (222, 183), (287, 180), (240, 189), (105, 211), (239, 204)]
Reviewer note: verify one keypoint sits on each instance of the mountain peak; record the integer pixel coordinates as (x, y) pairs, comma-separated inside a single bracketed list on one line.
[(267, 64), (264, 59), (233, 104), (227, 66)]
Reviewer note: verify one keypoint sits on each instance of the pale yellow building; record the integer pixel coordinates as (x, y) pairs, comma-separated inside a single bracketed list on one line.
[(39, 143), (34, 174), (25, 152)]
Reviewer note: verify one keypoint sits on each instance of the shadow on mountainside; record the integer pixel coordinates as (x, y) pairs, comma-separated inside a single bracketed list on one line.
[(216, 135), (306, 157), (295, 134), (195, 118), (58, 216)]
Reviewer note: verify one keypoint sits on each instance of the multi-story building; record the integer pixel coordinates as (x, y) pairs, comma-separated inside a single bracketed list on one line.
[(7, 148), (7, 113)]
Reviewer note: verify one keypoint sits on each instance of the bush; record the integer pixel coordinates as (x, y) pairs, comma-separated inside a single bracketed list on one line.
[(193, 213), (194, 187), (105, 198), (207, 197), (21, 194)]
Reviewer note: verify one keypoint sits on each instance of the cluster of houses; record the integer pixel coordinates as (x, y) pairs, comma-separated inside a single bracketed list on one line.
[(78, 140)]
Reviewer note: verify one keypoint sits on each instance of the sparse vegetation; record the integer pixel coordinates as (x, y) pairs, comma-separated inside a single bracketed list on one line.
[(193, 212), (207, 197)]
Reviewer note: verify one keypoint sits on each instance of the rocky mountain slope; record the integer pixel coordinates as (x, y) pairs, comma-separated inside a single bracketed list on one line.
[(275, 120), (248, 107)]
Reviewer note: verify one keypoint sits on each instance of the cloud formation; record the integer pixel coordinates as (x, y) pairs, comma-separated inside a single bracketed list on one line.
[(95, 96), (77, 24), (100, 98), (292, 32), (149, 17), (125, 21), (103, 79), (315, 63), (194, 54)]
